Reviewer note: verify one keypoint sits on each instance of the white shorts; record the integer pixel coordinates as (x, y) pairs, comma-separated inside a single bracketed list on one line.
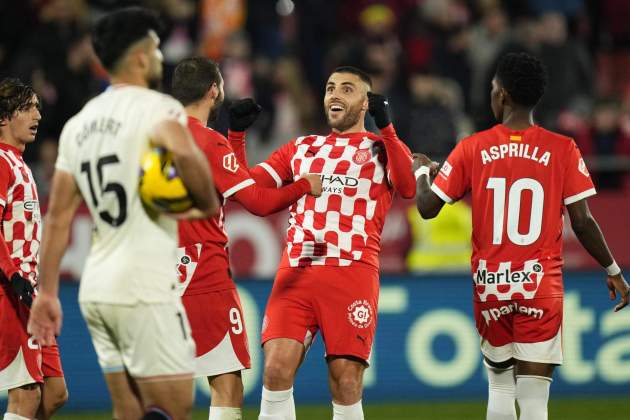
[(149, 340), (549, 351)]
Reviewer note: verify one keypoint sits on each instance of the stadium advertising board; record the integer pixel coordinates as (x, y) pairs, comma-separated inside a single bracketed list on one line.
[(426, 345)]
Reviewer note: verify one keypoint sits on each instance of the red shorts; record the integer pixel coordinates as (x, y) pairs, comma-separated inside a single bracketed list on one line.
[(508, 327), (218, 328), (340, 301), (51, 362)]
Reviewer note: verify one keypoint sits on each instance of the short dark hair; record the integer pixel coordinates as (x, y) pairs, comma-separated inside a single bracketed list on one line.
[(193, 77), (523, 76), (358, 72), (115, 32), (14, 96)]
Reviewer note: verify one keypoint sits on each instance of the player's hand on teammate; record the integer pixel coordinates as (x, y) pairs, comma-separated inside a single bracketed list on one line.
[(618, 284), (378, 106), (423, 160), (316, 184), (243, 114), (44, 322), (22, 288)]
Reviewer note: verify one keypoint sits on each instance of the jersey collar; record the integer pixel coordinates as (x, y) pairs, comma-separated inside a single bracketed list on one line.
[(10, 148)]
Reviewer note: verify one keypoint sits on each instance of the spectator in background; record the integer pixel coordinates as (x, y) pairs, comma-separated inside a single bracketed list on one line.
[(570, 76)]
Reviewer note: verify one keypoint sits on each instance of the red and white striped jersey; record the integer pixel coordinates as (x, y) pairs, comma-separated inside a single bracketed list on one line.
[(344, 224), (21, 219)]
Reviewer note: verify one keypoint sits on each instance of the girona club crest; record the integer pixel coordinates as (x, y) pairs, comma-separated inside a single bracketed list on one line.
[(360, 313), (361, 156)]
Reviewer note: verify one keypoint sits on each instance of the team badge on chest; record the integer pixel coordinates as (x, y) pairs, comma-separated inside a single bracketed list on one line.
[(361, 156)]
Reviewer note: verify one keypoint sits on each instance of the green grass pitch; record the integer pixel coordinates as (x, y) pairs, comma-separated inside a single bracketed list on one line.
[(560, 409)]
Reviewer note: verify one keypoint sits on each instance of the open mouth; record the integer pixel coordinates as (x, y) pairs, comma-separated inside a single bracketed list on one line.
[(335, 108), (33, 128)]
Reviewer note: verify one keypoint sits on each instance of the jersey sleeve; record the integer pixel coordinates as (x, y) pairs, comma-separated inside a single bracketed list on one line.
[(229, 175), (278, 166), (168, 108), (5, 181), (577, 180), (453, 180), (65, 156)]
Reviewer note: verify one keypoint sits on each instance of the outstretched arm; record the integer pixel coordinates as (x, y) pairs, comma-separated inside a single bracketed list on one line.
[(263, 201), (428, 203), (590, 236), (258, 173)]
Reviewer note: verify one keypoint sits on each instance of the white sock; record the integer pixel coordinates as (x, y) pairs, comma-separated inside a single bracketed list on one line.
[(348, 412), (501, 393), (225, 413), (277, 405), (532, 394), (11, 416)]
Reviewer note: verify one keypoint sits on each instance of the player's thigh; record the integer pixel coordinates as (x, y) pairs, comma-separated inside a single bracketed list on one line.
[(538, 334), (102, 320), (283, 357), (289, 313), (218, 329), (494, 321), (126, 399), (24, 400), (346, 305), (54, 396), (175, 396), (19, 355), (155, 341), (345, 378)]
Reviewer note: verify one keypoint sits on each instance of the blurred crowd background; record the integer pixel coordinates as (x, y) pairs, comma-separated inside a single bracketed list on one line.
[(434, 59)]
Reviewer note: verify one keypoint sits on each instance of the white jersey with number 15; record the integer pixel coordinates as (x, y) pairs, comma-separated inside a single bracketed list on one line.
[(132, 257)]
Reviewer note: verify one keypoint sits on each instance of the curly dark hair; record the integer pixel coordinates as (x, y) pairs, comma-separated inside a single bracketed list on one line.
[(523, 76), (14, 96), (117, 31)]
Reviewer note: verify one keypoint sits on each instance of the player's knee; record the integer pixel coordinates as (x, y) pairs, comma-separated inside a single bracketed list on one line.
[(277, 374), (25, 399), (347, 389), (228, 396), (127, 410), (57, 400)]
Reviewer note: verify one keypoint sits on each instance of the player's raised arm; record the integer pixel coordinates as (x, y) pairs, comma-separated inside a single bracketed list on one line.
[(592, 239), (398, 155), (190, 162), (45, 318)]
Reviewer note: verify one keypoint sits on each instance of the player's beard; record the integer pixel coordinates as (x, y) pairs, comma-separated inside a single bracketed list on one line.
[(350, 118), (214, 112), (155, 82)]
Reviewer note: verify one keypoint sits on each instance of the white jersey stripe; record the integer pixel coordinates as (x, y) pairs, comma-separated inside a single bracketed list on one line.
[(577, 197), (271, 172), (241, 185), (441, 194)]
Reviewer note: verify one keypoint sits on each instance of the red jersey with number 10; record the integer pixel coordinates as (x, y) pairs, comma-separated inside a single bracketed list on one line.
[(520, 182)]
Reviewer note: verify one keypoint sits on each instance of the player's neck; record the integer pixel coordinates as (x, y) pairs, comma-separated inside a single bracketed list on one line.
[(12, 142), (199, 112), (518, 119), (128, 79), (359, 127)]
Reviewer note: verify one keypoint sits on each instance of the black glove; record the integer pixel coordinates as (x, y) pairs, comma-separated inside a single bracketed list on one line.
[(379, 109), (243, 113), (22, 288)]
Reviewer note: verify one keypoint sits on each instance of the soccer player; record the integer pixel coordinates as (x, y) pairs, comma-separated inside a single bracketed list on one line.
[(31, 373), (209, 293), (521, 176), (328, 276), (128, 293)]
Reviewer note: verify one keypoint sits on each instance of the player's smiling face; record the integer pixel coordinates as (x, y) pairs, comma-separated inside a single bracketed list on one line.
[(345, 101), (22, 127)]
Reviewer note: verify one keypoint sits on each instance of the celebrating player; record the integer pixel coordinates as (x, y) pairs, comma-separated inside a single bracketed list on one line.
[(209, 294), (520, 176), (127, 294), (328, 276), (32, 373)]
